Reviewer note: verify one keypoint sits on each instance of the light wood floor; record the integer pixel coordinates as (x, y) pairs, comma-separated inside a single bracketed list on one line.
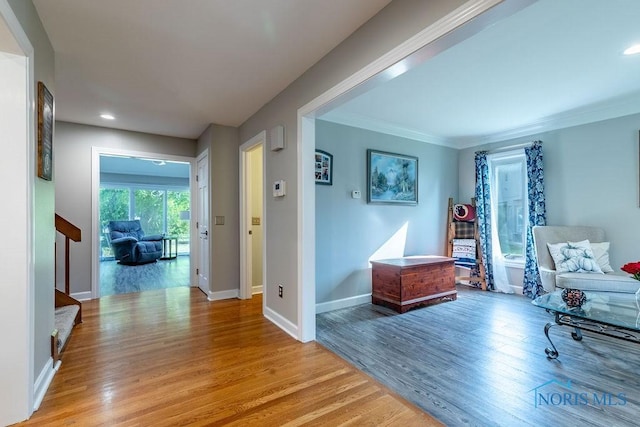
[(480, 361), (169, 357)]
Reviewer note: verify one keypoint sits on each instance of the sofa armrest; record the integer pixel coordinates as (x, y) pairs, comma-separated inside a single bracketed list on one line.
[(152, 237), (548, 279), (124, 241), (123, 248)]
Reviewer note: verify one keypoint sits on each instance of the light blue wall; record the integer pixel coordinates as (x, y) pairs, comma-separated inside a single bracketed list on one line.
[(591, 178), (349, 231)]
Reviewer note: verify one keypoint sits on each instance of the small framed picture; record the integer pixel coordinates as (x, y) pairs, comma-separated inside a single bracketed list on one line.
[(392, 178), (324, 168)]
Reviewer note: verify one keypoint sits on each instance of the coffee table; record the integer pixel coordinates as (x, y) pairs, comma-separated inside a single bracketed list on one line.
[(606, 313)]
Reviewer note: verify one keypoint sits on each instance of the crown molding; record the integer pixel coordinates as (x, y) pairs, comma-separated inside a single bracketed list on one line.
[(613, 108), (617, 107), (382, 126)]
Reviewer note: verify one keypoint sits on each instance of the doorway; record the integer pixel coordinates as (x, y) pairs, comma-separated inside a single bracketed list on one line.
[(156, 194), (252, 233), (156, 191), (457, 26)]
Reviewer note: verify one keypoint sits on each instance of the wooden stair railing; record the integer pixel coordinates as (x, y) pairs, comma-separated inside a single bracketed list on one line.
[(71, 232), (62, 299)]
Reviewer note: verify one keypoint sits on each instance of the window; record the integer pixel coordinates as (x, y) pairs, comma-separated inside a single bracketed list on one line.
[(160, 211), (509, 202), (149, 208)]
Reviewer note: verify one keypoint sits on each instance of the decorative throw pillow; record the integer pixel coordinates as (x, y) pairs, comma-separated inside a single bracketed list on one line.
[(463, 212), (601, 254), (574, 257)]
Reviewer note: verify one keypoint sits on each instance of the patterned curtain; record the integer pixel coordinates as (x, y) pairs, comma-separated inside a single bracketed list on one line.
[(532, 286), (483, 213)]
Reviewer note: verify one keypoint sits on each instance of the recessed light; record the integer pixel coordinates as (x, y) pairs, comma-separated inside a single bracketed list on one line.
[(633, 50), (107, 116)]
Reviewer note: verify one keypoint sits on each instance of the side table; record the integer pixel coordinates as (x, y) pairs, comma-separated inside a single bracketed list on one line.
[(169, 251)]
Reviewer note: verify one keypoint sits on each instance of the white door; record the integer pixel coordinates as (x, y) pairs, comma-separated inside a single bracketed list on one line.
[(252, 216), (203, 224)]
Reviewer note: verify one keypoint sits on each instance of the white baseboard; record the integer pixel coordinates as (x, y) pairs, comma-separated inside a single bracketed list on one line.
[(342, 303), (517, 289), (256, 290), (216, 296), (82, 296), (281, 322), (42, 383)]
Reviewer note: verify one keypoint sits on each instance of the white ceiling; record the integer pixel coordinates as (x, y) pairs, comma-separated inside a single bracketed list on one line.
[(551, 65), (171, 67), (162, 67)]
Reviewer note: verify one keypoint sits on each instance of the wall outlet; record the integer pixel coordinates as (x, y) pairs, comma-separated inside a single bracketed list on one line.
[(280, 291)]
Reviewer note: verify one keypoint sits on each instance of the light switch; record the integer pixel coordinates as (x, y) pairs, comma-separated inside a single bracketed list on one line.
[(255, 220)]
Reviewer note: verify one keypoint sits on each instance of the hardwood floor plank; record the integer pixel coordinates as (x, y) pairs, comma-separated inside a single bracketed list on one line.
[(171, 358), (479, 359)]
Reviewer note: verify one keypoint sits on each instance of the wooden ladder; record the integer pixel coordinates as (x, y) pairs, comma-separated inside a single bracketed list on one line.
[(451, 234)]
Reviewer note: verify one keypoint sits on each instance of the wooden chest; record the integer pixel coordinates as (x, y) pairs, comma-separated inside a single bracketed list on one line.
[(405, 283)]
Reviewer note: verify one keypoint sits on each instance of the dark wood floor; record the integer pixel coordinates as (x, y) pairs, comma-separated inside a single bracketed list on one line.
[(480, 361), (170, 357)]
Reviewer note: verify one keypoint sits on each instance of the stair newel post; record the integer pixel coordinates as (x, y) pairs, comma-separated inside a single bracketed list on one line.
[(66, 266)]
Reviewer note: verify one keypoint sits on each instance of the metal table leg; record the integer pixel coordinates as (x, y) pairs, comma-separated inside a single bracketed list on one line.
[(552, 352)]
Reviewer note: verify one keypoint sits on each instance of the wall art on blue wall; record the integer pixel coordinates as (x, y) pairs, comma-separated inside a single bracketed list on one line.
[(392, 178), (324, 168)]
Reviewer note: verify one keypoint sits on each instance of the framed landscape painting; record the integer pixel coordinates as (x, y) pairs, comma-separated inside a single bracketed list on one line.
[(392, 178)]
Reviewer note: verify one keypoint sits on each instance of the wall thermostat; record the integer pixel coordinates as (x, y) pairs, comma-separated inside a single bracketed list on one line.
[(279, 188)]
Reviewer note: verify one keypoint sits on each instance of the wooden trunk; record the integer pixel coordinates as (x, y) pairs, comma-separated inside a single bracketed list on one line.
[(405, 283)]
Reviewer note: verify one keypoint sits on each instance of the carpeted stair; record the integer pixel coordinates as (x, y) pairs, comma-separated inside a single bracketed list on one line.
[(64, 321)]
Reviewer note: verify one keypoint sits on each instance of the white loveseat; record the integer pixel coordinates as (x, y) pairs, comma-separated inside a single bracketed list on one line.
[(608, 281)]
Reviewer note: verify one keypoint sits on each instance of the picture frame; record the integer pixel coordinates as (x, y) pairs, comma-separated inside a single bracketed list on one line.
[(392, 178), (45, 133), (323, 167)]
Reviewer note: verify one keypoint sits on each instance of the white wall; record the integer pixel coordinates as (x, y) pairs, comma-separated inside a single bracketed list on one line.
[(349, 231), (591, 178), (73, 160), (14, 270), (222, 143), (255, 159), (15, 379), (390, 27)]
